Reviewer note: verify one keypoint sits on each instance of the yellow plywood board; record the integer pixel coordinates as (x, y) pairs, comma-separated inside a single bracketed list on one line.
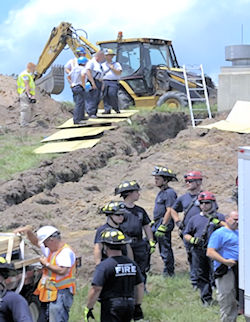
[(123, 114), (238, 119), (91, 122), (76, 133), (66, 146)]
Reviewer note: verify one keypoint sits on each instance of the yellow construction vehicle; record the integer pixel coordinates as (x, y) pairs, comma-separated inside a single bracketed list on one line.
[(151, 74)]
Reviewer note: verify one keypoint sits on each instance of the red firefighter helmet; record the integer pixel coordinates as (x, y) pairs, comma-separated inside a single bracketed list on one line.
[(193, 175), (206, 196)]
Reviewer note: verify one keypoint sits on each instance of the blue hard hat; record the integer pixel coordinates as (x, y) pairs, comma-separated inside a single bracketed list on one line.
[(80, 50), (82, 60)]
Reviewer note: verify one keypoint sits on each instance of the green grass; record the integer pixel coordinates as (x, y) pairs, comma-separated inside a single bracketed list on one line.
[(169, 299), (17, 154)]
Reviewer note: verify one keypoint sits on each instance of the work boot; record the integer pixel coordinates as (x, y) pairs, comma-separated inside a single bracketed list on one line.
[(106, 112)]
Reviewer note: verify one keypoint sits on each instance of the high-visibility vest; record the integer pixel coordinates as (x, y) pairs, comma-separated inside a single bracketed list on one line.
[(48, 285), (21, 84)]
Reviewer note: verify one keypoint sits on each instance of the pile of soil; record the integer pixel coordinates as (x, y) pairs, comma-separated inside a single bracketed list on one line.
[(68, 191)]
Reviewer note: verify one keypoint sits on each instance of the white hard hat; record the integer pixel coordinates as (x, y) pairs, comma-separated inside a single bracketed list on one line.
[(45, 232)]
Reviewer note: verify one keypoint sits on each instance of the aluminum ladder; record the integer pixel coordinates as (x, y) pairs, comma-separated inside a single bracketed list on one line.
[(196, 90)]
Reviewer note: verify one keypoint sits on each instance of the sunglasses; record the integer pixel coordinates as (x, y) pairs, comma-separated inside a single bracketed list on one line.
[(204, 202), (190, 181)]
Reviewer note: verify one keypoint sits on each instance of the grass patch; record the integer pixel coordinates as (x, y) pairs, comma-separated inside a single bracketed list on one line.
[(169, 299), (17, 154)]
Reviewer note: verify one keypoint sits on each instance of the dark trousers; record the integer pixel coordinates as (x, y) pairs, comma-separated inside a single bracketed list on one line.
[(119, 309), (44, 312), (202, 265), (166, 252), (141, 256), (192, 268), (93, 98), (110, 95), (79, 100)]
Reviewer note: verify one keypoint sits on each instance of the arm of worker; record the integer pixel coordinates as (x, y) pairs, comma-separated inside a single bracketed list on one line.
[(187, 237), (139, 292), (83, 78), (93, 295), (28, 231), (114, 70), (91, 79), (68, 67), (59, 270), (148, 231), (69, 79), (130, 253), (27, 87), (174, 215), (97, 253), (213, 254), (167, 216)]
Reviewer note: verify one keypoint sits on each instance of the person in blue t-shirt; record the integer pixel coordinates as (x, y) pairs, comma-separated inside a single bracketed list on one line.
[(223, 248), (197, 233)]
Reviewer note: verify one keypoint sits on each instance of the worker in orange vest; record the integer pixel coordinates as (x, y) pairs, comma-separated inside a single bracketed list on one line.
[(57, 285)]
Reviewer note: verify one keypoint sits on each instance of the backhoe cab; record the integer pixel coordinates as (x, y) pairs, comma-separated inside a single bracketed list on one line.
[(151, 74)]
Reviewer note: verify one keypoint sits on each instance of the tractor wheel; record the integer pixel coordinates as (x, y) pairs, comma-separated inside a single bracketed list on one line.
[(34, 306), (173, 99), (124, 100)]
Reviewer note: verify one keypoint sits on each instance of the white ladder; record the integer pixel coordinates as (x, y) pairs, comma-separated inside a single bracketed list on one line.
[(196, 90)]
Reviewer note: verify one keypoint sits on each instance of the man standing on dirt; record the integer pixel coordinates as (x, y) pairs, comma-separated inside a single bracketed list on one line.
[(136, 221), (162, 231), (189, 205), (117, 281), (114, 211), (223, 248), (111, 74), (26, 91), (94, 74), (57, 285), (197, 233), (77, 79)]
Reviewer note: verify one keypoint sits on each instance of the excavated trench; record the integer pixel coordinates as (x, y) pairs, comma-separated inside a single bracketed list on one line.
[(126, 140)]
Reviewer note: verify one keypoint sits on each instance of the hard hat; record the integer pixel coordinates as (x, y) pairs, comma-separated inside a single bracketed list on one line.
[(45, 232), (206, 196), (164, 172), (80, 50), (82, 60), (113, 208), (127, 186), (193, 175), (5, 268), (114, 236), (108, 51)]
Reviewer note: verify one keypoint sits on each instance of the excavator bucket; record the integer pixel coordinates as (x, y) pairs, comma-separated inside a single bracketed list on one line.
[(53, 82)]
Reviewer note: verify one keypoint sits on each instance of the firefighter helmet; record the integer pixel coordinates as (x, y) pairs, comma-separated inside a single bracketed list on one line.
[(206, 196), (193, 175), (164, 172), (113, 208), (114, 236), (127, 186)]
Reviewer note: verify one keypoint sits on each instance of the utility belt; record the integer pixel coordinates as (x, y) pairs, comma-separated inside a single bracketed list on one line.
[(78, 86), (120, 298)]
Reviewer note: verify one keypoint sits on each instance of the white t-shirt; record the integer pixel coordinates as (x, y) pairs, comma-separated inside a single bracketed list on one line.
[(76, 75), (95, 68), (71, 64), (108, 74)]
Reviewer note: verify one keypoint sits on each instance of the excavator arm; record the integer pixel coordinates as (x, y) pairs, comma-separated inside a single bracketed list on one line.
[(64, 34)]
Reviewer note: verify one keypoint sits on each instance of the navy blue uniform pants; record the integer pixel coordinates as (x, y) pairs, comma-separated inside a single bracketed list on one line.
[(120, 309), (192, 268), (79, 100), (141, 256), (93, 98), (202, 265), (166, 252), (110, 95)]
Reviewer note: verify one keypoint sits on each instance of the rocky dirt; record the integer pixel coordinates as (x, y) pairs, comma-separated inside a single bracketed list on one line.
[(68, 191)]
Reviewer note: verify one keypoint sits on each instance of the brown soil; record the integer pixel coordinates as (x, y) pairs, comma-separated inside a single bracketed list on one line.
[(68, 191)]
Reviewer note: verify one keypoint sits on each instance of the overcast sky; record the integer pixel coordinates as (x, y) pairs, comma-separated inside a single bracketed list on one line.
[(199, 29)]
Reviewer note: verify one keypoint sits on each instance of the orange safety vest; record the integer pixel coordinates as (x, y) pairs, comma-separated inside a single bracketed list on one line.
[(48, 285)]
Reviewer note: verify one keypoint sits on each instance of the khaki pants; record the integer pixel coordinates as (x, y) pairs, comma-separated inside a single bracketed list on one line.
[(26, 110), (226, 296)]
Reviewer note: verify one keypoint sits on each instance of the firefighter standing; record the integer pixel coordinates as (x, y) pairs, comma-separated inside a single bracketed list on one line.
[(197, 233), (57, 285), (164, 200), (135, 222), (114, 282)]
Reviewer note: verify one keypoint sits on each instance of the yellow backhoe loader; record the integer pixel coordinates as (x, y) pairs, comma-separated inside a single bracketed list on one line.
[(151, 74)]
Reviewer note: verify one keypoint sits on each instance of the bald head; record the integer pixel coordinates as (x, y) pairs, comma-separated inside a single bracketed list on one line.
[(232, 220), (31, 67), (99, 56)]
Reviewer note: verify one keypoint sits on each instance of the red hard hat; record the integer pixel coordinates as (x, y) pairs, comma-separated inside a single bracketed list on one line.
[(206, 195), (193, 175)]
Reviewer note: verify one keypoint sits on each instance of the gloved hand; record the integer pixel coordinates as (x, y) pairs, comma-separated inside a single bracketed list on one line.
[(161, 231), (196, 241), (152, 222), (215, 221), (87, 314), (138, 314), (152, 246)]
